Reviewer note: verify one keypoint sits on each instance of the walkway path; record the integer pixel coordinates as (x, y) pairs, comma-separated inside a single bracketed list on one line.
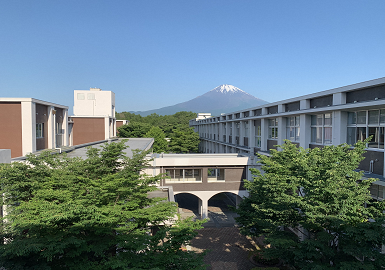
[(229, 249)]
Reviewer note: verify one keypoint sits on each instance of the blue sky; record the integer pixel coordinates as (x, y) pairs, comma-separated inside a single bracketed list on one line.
[(155, 53)]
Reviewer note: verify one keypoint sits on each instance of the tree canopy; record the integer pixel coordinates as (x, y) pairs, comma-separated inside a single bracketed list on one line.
[(160, 144), (183, 139), (318, 194), (69, 213)]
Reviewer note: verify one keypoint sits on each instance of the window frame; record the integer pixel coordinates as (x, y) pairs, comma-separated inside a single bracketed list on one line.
[(293, 124), (320, 126), (39, 130)]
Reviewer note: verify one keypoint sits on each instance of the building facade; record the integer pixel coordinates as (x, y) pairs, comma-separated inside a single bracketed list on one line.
[(203, 175), (341, 115), (94, 116), (29, 125)]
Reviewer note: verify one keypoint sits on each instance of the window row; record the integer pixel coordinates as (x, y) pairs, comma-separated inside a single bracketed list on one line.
[(363, 124), (194, 175)]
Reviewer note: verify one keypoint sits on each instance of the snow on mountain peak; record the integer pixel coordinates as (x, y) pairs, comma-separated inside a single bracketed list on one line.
[(227, 88)]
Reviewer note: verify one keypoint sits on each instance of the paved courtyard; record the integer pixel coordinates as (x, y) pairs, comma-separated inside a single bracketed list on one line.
[(229, 249)]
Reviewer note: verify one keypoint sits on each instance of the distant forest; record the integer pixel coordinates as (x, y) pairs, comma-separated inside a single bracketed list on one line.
[(181, 138)]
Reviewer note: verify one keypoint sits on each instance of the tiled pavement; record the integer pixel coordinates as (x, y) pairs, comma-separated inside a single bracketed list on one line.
[(228, 248)]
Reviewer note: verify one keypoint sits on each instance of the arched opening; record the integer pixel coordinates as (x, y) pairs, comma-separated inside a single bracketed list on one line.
[(221, 209), (188, 204)]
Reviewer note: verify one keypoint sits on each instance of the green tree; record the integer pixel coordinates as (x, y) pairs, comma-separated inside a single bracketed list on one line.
[(184, 140), (69, 213), (160, 144), (320, 194), (134, 130)]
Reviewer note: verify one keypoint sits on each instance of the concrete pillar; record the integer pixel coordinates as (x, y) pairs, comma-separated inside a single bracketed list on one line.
[(233, 132), (281, 108), (241, 132), (339, 129), (203, 208), (264, 133), (51, 127), (65, 128), (305, 130), (238, 200), (28, 127), (281, 130), (251, 134)]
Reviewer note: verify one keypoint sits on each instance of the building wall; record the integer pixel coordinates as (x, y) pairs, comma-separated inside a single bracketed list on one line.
[(94, 103), (42, 117), (11, 128), (87, 130), (233, 180)]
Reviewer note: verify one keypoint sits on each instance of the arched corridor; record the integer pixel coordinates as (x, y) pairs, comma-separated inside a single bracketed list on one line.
[(214, 205)]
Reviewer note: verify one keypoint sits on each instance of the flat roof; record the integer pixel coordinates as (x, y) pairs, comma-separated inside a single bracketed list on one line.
[(132, 143), (33, 100)]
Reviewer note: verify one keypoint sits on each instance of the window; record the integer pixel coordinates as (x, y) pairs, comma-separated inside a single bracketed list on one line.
[(40, 130), (58, 128), (273, 128), (184, 175), (363, 124), (215, 174), (257, 127), (91, 96), (321, 128), (80, 96), (292, 128)]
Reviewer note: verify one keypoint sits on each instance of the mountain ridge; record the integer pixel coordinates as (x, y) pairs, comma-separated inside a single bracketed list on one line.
[(222, 99)]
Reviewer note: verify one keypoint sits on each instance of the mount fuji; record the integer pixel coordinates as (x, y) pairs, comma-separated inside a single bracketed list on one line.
[(222, 99)]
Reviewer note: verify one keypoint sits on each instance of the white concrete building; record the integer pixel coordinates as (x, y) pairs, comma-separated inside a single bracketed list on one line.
[(332, 117), (94, 116)]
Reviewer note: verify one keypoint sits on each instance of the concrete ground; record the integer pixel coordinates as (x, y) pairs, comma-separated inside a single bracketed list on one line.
[(228, 249)]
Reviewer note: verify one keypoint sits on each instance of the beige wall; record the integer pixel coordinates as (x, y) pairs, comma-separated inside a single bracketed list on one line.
[(95, 103), (11, 128)]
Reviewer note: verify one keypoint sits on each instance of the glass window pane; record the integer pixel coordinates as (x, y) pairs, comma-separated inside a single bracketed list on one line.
[(351, 118), (292, 121), (327, 135), (382, 116), (297, 134), (314, 120), (351, 135), (319, 119), (297, 123), (328, 119), (361, 133), (373, 131), (381, 138), (361, 117), (374, 117), (290, 133), (271, 122), (313, 134)]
